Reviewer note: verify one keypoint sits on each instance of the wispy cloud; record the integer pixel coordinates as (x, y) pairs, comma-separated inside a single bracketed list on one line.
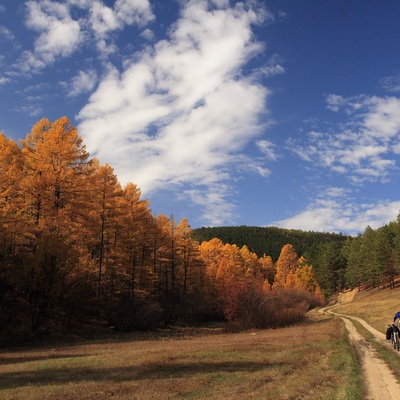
[(103, 20), (6, 34), (268, 149), (82, 82), (363, 149), (175, 117), (335, 210), (391, 83), (273, 67), (32, 110), (62, 32), (365, 146), (4, 80), (213, 199)]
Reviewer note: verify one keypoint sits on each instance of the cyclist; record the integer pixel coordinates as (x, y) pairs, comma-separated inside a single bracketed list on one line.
[(396, 316), (393, 327), (394, 331)]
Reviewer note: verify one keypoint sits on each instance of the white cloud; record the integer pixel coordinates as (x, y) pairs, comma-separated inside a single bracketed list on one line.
[(32, 110), (336, 211), (391, 83), (267, 148), (38, 87), (103, 20), (134, 12), (273, 66), (5, 33), (61, 32), (147, 34), (85, 4), (272, 70), (334, 102), (365, 146), (220, 211), (83, 82), (383, 118), (30, 63), (62, 38), (176, 116), (4, 80)]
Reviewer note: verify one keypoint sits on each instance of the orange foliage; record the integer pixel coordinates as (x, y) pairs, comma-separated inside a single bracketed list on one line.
[(268, 269), (286, 266), (77, 235)]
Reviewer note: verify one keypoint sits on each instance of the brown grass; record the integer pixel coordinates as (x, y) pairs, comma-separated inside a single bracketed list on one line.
[(308, 361), (376, 306)]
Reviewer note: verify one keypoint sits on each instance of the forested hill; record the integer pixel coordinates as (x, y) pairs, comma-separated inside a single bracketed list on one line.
[(267, 240)]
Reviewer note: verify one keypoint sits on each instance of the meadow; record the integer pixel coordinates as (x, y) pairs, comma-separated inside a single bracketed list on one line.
[(311, 360)]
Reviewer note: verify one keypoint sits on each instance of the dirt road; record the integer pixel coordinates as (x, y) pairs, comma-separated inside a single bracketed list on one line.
[(380, 381)]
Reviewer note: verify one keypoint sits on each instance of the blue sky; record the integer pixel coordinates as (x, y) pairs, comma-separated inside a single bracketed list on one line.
[(270, 113)]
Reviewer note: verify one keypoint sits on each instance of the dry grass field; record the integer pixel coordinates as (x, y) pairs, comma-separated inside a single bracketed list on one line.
[(309, 361), (376, 306)]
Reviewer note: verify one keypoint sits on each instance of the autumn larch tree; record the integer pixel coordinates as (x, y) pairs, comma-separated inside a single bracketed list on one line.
[(286, 266), (268, 271), (11, 220), (105, 219), (136, 228), (54, 177), (53, 192)]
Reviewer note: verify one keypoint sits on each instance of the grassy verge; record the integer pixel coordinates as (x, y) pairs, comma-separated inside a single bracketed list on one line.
[(388, 355), (309, 361)]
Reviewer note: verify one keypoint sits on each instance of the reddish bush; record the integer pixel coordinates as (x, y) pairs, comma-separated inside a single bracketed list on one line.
[(284, 307)]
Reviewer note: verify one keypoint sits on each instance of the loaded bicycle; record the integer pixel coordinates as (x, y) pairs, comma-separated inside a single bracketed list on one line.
[(395, 331), (395, 337)]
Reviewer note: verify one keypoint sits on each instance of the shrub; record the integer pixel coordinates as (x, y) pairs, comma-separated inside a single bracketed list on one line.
[(285, 306)]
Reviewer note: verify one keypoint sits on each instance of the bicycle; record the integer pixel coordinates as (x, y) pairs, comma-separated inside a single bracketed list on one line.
[(395, 337)]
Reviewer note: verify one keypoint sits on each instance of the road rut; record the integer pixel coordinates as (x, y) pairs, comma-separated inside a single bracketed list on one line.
[(380, 382)]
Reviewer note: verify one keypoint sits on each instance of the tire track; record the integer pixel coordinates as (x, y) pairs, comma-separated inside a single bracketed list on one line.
[(379, 380)]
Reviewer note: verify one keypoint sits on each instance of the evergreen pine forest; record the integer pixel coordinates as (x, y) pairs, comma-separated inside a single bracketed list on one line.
[(78, 249)]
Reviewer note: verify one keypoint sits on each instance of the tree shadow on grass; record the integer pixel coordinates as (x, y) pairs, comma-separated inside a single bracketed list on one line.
[(148, 370), (4, 360)]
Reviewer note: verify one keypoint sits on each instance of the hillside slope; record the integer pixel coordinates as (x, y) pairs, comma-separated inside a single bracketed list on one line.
[(267, 240), (376, 306)]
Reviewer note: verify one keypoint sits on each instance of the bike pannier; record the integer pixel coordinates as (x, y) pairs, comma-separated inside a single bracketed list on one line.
[(389, 332)]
